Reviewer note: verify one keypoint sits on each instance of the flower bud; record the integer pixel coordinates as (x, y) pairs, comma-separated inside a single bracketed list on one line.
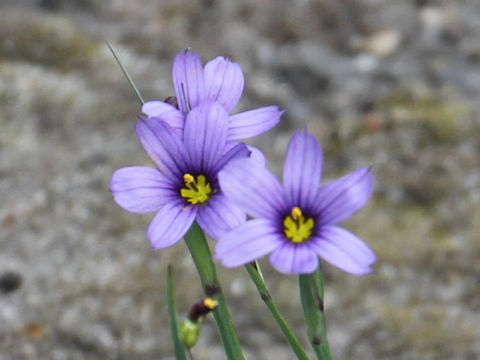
[(189, 332), (190, 328)]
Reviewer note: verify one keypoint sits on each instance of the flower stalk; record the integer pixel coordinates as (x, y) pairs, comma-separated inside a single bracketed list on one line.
[(202, 258), (311, 293), (255, 273)]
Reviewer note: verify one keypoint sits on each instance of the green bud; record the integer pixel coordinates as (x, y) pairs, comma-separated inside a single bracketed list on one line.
[(189, 333)]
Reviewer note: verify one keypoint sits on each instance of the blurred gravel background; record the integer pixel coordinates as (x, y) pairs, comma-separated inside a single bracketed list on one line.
[(389, 83)]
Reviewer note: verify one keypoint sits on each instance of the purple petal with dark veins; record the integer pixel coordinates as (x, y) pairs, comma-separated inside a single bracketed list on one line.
[(164, 146), (205, 135), (302, 170), (293, 258), (344, 250), (224, 82), (170, 224), (248, 242), (341, 198), (251, 123), (187, 73), (235, 151), (219, 216), (165, 112), (141, 189), (254, 188)]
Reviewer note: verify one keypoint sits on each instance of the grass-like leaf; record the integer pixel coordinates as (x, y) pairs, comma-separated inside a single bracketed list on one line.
[(256, 275), (172, 313), (125, 72)]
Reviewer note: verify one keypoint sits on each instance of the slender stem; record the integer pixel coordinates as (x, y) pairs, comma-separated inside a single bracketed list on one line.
[(172, 312), (125, 73), (311, 293), (202, 257), (256, 275)]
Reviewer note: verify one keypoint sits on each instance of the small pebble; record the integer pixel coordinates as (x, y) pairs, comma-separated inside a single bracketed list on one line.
[(9, 282), (384, 43)]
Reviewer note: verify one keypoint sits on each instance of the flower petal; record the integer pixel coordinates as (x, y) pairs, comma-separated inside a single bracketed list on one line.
[(188, 82), (257, 155), (235, 151), (248, 242), (164, 146), (254, 188), (342, 198), (141, 189), (170, 224), (344, 250), (205, 135), (224, 82), (219, 216), (254, 122), (165, 112), (294, 258), (302, 170), (252, 152)]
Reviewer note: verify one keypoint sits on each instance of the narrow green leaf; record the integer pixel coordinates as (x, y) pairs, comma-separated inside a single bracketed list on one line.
[(172, 313), (311, 293), (256, 275), (202, 257), (125, 73)]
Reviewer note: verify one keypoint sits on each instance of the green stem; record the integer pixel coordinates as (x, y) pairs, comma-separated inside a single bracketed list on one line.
[(256, 275), (311, 293), (202, 257), (172, 312), (125, 73)]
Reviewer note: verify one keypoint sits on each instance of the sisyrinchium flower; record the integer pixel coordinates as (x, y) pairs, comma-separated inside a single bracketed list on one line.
[(295, 222), (184, 187), (221, 81)]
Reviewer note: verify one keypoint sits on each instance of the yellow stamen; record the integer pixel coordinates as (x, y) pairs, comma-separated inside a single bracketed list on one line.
[(188, 179), (296, 213), (196, 190), (210, 303), (298, 228)]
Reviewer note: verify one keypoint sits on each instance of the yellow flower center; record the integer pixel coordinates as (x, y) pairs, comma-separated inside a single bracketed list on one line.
[(297, 227), (196, 191)]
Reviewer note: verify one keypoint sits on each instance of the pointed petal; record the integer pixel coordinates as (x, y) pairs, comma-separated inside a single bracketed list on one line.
[(164, 146), (342, 198), (205, 135), (188, 82), (254, 188), (141, 189), (251, 123), (219, 216), (248, 242), (303, 169), (344, 250), (294, 258), (170, 224), (165, 112), (251, 151), (224, 82), (235, 151), (257, 155)]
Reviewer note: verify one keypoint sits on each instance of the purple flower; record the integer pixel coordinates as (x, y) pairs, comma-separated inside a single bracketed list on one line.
[(184, 188), (221, 81), (295, 222)]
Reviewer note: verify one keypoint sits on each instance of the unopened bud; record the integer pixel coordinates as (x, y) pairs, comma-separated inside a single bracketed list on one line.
[(189, 332)]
